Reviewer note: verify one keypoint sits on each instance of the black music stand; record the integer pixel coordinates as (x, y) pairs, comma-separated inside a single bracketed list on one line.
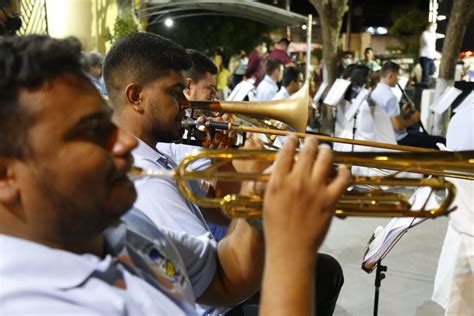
[(370, 266), (354, 129)]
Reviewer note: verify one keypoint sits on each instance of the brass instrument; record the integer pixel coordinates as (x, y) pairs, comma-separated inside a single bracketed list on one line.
[(292, 111), (366, 198)]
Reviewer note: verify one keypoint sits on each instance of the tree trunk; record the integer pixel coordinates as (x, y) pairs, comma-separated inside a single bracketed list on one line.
[(458, 20), (330, 14)]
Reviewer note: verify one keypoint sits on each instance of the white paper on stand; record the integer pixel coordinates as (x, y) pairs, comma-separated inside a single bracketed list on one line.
[(402, 81), (466, 103), (384, 237), (319, 94), (356, 103), (445, 100), (241, 90), (337, 91)]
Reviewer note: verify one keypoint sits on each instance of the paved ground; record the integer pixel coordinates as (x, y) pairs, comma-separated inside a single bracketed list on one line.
[(411, 265)]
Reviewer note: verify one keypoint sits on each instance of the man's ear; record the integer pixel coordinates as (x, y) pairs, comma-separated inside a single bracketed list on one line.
[(9, 191), (187, 87), (134, 96)]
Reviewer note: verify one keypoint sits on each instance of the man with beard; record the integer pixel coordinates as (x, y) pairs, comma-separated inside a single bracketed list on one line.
[(145, 79), (64, 187)]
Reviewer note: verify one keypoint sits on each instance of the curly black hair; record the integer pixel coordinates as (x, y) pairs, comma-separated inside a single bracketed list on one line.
[(27, 62)]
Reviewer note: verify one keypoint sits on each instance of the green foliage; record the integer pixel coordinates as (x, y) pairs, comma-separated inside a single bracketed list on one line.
[(407, 27), (206, 33), (122, 27)]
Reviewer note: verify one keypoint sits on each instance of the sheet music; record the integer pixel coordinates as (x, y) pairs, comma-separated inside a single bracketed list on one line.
[(466, 103), (319, 94), (402, 81), (356, 103), (445, 100), (384, 238), (337, 91), (241, 90)]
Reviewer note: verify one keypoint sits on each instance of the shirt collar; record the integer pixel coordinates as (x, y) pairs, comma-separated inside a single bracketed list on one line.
[(384, 85), (143, 152), (270, 80), (42, 266), (284, 92)]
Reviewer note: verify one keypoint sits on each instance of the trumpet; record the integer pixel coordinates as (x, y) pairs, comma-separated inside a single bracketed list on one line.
[(292, 111), (365, 197)]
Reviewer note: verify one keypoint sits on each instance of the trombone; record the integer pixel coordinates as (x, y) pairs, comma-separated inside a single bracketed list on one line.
[(365, 197), (292, 111)]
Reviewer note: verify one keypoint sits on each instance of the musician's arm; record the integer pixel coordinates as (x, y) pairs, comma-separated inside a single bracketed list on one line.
[(398, 122)]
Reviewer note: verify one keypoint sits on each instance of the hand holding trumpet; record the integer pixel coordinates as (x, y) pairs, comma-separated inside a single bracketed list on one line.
[(298, 206), (300, 197)]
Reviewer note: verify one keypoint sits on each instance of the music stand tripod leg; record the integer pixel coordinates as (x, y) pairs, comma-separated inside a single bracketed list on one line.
[(379, 276)]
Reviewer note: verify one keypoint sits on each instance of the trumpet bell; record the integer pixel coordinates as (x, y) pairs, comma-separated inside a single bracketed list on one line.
[(292, 111)]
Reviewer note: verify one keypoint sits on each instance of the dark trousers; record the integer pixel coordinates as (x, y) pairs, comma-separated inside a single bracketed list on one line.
[(329, 281), (418, 139), (427, 68)]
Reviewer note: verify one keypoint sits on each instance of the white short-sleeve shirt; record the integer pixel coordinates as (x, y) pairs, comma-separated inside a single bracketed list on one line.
[(387, 101), (39, 280), (266, 89), (161, 200)]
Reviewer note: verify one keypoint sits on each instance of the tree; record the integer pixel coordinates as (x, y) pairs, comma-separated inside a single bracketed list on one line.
[(461, 12), (330, 14), (206, 33), (406, 27), (122, 28)]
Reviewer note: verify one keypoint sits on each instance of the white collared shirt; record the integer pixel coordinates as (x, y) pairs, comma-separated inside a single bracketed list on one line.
[(428, 44), (385, 99), (266, 89), (39, 280), (460, 136), (282, 94), (161, 200), (163, 203)]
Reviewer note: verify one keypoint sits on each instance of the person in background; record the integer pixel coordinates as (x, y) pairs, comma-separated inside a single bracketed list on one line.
[(256, 67), (223, 77), (280, 52), (239, 71), (200, 86), (291, 83), (369, 60), (201, 78), (428, 52), (93, 70), (268, 87), (346, 59), (10, 21), (359, 77), (384, 97), (454, 282), (218, 57)]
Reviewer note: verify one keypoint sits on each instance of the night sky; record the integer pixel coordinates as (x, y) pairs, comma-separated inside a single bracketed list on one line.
[(377, 13)]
